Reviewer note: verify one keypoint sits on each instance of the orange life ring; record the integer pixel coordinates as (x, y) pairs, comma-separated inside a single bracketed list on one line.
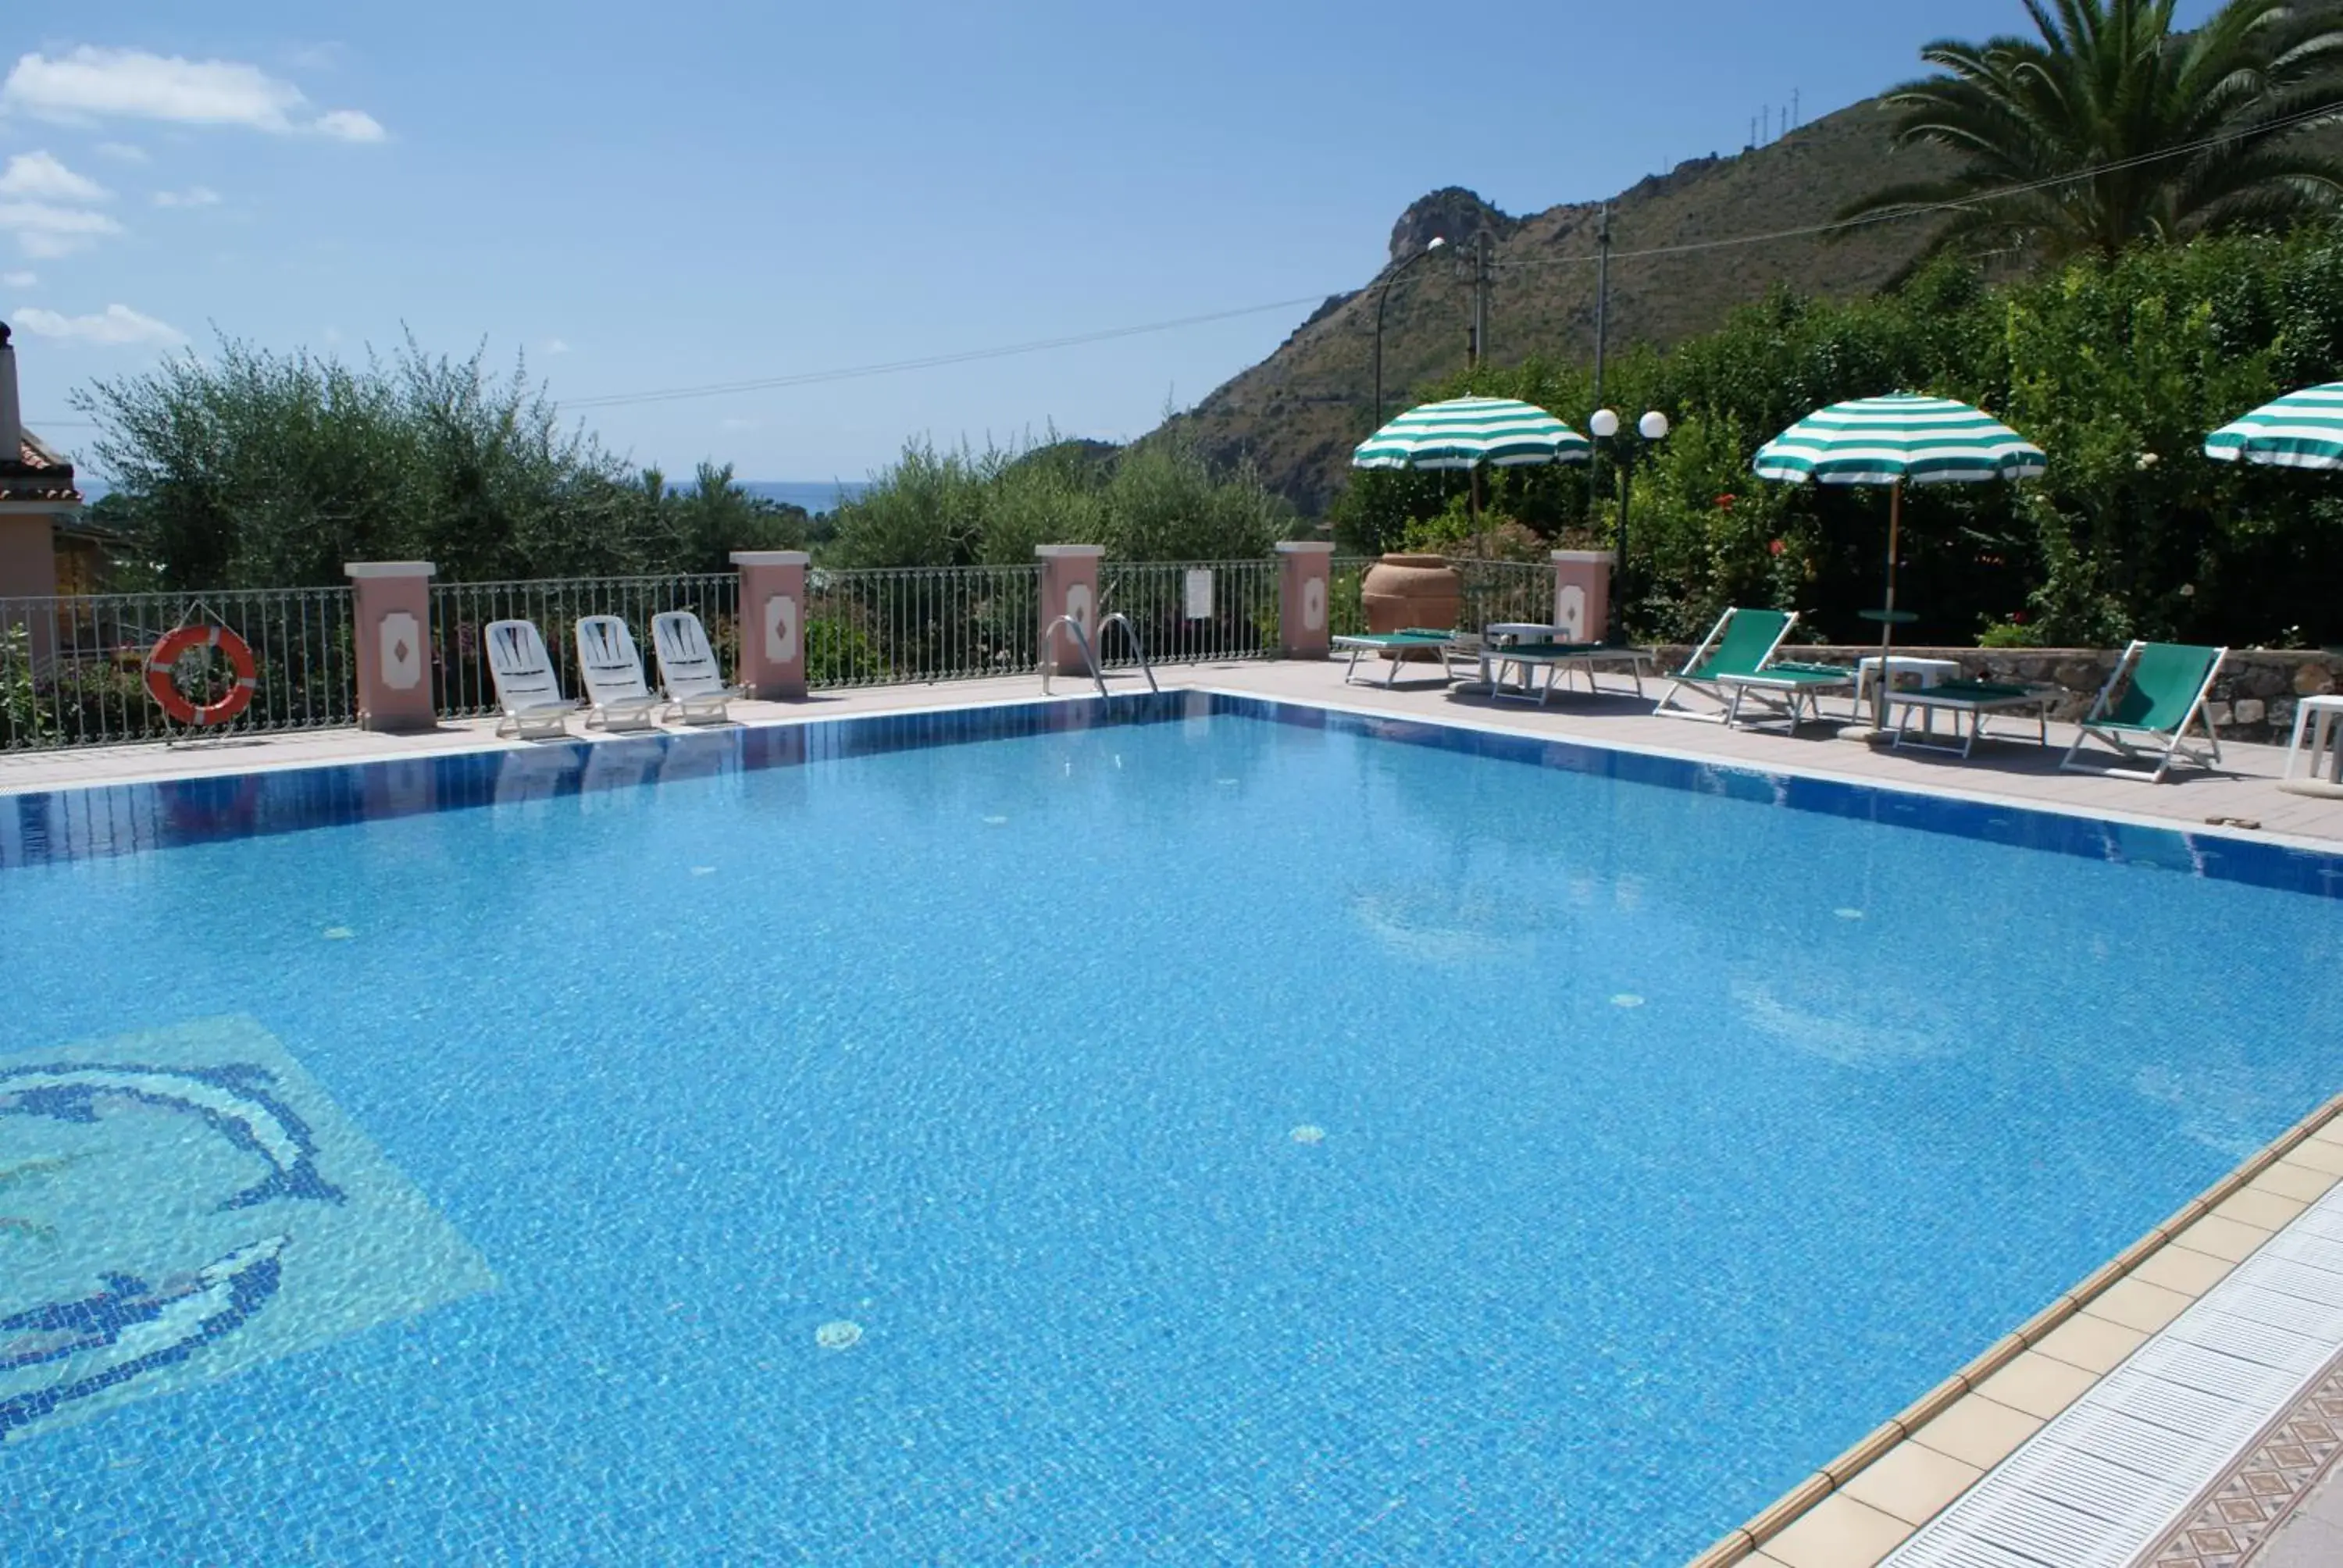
[(164, 690)]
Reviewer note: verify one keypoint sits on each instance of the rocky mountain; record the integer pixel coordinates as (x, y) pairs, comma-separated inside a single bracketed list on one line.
[(1298, 412)]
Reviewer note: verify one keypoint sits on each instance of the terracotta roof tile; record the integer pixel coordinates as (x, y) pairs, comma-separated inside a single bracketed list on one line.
[(39, 474)]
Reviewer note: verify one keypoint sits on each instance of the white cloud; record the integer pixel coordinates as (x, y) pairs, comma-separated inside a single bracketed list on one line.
[(122, 152), (39, 176), (20, 279), (733, 424), (45, 230), (91, 84), (350, 126), (194, 196), (556, 346), (117, 326)]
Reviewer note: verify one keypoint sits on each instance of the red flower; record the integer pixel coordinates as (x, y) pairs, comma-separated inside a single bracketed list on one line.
[(1724, 502), (1775, 548), (2017, 618)]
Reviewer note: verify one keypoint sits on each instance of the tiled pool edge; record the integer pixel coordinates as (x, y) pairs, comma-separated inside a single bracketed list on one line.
[(1840, 1530)]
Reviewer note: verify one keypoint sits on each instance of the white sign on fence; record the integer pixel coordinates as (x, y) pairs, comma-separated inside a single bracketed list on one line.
[(1200, 594)]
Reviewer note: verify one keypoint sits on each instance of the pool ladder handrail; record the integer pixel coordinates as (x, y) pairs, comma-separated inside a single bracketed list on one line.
[(1082, 638), (1137, 647)]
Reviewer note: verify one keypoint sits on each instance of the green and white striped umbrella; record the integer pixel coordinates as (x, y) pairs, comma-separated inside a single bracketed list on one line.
[(1897, 441), (2301, 431), (1471, 432), (1900, 439)]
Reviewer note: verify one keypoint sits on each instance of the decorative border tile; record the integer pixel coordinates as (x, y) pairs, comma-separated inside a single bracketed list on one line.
[(2243, 1508)]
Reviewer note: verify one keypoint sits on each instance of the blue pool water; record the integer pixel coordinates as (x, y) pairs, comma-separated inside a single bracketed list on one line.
[(1250, 1136)]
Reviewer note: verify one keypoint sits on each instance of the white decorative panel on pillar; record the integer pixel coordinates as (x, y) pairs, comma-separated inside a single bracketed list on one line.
[(780, 627), (402, 651)]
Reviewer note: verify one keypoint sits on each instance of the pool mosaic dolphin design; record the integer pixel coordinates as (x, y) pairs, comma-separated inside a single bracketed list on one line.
[(126, 1329), (237, 1101), (184, 1204)]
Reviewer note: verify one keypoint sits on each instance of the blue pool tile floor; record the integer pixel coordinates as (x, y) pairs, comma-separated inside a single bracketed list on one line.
[(1214, 1140)]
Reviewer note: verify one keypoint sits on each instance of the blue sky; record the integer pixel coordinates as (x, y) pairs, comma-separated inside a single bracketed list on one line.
[(703, 192)]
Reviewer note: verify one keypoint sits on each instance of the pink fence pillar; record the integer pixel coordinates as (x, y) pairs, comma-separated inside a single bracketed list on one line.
[(28, 569), (1582, 594), (772, 622), (1069, 574), (1305, 571), (390, 631)]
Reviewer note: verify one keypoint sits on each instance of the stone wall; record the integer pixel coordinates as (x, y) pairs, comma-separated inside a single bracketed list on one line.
[(2253, 700)]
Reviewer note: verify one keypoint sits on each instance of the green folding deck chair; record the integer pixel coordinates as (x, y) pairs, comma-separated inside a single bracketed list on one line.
[(2148, 706), (1741, 643)]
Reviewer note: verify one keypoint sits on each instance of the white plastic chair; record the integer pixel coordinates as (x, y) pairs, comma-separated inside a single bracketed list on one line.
[(612, 673), (689, 673), (529, 691)]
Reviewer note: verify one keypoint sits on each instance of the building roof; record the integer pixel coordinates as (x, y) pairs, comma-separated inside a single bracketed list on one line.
[(38, 474)]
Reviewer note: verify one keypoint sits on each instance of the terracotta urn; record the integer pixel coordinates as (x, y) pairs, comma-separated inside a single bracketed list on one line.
[(1401, 591)]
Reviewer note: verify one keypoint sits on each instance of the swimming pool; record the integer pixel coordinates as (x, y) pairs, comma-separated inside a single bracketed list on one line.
[(1203, 1129)]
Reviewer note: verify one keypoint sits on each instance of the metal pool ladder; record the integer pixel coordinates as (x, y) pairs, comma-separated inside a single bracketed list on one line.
[(1081, 638)]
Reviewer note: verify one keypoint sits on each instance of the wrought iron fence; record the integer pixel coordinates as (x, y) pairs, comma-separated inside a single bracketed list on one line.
[(461, 612), (1346, 616), (1493, 591), (1504, 590), (1188, 612), (73, 668), (892, 626)]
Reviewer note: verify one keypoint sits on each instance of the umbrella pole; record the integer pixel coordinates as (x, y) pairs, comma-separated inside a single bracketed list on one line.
[(1887, 621)]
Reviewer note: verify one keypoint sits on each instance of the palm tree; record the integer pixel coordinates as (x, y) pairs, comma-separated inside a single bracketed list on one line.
[(2115, 128)]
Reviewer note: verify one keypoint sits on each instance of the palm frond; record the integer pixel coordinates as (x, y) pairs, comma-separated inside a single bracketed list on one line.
[(2111, 127)]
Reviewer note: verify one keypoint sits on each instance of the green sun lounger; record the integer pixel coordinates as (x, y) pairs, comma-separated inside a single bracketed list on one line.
[(1794, 691), (1397, 645), (2147, 708), (1554, 658), (1737, 655), (1978, 698)]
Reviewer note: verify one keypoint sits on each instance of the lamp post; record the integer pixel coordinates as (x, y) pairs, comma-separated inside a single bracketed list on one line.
[(1383, 297), (1604, 426)]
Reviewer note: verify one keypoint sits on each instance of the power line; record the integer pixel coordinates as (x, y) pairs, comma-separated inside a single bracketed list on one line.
[(933, 361)]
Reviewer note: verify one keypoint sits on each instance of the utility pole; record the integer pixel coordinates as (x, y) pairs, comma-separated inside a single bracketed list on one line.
[(1477, 348), (1795, 121), (1601, 295), (1602, 332)]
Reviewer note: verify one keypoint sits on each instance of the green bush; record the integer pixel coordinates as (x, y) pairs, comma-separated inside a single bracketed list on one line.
[(254, 469), (1157, 500)]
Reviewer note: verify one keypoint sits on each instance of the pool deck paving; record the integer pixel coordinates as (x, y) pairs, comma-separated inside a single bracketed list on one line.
[(2278, 1502)]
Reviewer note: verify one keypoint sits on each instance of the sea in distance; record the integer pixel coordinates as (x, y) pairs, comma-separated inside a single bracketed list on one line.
[(813, 495)]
